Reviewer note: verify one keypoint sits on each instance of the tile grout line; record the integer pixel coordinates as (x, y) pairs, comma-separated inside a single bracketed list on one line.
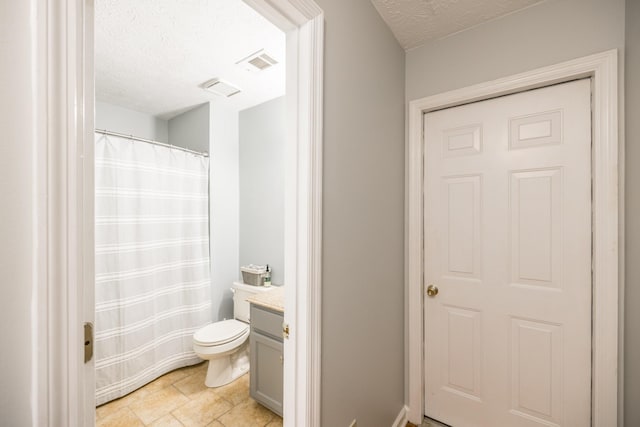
[(135, 415), (179, 394)]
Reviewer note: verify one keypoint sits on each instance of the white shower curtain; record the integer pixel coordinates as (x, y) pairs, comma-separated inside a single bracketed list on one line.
[(152, 261)]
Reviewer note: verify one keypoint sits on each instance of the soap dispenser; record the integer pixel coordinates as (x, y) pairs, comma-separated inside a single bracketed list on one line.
[(267, 277)]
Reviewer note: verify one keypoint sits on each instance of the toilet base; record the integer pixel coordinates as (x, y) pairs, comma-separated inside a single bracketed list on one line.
[(225, 369)]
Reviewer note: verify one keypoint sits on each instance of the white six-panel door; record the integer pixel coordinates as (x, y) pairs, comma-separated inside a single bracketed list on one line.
[(508, 247)]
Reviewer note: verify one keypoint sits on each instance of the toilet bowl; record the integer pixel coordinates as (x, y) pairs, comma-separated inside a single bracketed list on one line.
[(225, 344)]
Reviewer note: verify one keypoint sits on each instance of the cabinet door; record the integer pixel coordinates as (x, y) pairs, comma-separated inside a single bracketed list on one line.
[(266, 372), (266, 322)]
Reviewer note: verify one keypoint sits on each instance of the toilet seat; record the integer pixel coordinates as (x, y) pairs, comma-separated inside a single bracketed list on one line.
[(219, 333)]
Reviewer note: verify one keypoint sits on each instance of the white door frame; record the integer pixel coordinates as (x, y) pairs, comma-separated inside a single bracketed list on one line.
[(64, 384), (602, 69)]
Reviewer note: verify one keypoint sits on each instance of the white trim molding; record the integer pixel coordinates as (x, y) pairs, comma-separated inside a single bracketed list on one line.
[(65, 396), (401, 419), (602, 69), (66, 181), (303, 23)]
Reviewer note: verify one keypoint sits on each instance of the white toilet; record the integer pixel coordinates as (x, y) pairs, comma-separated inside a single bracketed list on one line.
[(225, 344)]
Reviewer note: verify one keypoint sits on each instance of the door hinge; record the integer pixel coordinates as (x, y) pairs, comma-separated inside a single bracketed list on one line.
[(88, 341), (285, 330)]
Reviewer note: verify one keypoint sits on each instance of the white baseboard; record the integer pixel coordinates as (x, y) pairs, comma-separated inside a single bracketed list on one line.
[(401, 419)]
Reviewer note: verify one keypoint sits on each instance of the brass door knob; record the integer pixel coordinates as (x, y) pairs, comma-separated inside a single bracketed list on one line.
[(432, 291)]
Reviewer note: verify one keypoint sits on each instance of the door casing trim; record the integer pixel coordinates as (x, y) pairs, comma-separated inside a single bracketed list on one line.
[(602, 68), (63, 391)]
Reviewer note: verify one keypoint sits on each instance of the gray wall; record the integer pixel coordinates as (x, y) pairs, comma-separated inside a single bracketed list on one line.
[(552, 32), (363, 217), (262, 138), (632, 216), (224, 203), (191, 129), (123, 120), (18, 114)]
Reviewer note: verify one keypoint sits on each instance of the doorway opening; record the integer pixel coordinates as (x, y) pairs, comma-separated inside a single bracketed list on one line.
[(189, 181), (302, 24)]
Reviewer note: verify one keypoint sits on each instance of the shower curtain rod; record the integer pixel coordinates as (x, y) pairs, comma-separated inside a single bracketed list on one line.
[(149, 141)]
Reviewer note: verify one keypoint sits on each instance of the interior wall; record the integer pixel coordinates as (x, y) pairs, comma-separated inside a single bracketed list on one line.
[(191, 129), (224, 207), (123, 120), (632, 215), (262, 141), (363, 218), (18, 218), (545, 34), (548, 33)]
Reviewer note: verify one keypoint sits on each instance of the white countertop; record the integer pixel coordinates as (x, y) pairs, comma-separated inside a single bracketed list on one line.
[(273, 299)]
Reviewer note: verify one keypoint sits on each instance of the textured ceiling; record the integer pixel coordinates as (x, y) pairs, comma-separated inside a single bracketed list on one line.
[(152, 55), (414, 22)]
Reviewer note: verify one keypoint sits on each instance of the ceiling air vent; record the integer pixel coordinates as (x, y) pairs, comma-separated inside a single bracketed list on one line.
[(257, 61), (220, 87)]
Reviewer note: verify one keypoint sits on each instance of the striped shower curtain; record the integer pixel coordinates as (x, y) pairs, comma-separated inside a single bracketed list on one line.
[(152, 261)]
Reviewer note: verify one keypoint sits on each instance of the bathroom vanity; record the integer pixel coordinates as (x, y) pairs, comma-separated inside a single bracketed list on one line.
[(266, 348)]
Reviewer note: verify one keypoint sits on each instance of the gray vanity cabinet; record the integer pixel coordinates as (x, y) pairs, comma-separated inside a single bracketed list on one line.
[(266, 350)]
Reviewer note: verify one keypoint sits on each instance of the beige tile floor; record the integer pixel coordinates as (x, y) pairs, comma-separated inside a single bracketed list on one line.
[(180, 398)]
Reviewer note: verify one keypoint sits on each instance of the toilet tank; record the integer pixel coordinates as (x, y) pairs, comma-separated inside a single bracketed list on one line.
[(241, 292)]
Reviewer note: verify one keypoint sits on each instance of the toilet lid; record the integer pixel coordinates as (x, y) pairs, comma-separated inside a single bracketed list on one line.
[(220, 332)]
